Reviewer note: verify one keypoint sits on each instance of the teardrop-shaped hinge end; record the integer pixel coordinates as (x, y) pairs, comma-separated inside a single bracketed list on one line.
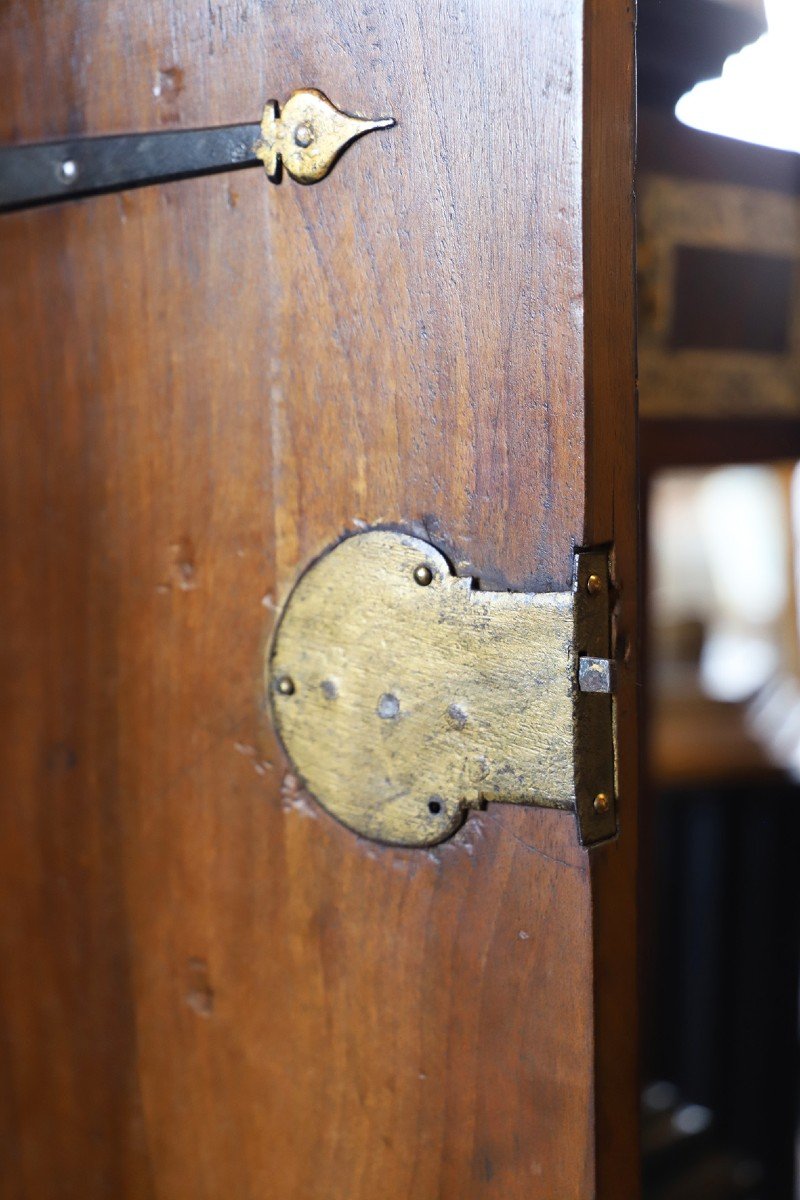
[(308, 136)]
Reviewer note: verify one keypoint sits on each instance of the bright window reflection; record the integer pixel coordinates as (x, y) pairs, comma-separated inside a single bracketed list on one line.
[(725, 602), (757, 97), (721, 559)]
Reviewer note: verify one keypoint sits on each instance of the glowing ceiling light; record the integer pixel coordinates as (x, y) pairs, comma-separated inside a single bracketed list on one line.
[(757, 97)]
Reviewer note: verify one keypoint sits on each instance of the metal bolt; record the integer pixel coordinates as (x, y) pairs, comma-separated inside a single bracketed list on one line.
[(284, 685), (423, 575), (68, 171), (594, 584), (601, 804), (303, 135)]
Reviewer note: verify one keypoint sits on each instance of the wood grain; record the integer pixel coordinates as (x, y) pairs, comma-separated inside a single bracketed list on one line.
[(211, 987), (611, 499)]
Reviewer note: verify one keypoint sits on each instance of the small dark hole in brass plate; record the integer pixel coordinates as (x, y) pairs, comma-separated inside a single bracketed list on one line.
[(434, 807), (388, 706)]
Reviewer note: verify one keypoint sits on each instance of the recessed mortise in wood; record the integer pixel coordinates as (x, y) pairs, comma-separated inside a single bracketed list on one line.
[(416, 697)]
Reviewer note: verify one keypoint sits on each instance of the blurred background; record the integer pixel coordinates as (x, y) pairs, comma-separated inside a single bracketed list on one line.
[(719, 376)]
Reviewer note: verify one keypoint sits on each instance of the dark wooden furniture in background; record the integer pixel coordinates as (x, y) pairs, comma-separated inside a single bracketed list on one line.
[(665, 147), (666, 443), (719, 895), (209, 987), (687, 40)]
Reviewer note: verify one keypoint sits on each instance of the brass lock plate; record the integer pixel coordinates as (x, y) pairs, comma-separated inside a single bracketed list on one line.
[(405, 697)]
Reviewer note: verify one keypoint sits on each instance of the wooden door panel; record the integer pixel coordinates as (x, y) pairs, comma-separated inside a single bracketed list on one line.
[(216, 988)]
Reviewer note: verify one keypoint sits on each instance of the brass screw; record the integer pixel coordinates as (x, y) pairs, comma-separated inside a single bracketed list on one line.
[(423, 575), (601, 804), (285, 685), (594, 584), (303, 136)]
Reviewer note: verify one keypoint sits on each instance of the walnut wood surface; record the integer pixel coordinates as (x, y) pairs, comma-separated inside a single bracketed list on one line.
[(209, 987)]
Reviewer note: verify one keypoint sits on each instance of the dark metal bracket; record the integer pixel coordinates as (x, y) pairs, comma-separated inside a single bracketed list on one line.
[(306, 138)]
